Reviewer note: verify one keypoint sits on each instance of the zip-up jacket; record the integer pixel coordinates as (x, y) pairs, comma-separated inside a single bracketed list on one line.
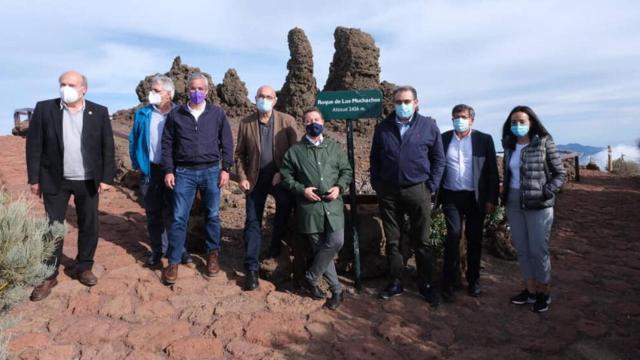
[(542, 173), (190, 143), (407, 160)]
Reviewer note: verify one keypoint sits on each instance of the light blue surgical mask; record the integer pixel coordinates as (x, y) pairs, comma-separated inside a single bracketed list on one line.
[(264, 105), (460, 125), (404, 111), (520, 130)]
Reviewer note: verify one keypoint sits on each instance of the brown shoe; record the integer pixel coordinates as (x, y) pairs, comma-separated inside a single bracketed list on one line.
[(213, 267), (43, 290), (87, 278), (170, 274)]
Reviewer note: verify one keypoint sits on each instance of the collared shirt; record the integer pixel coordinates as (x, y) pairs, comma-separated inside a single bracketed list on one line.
[(196, 112), (156, 126), (315, 143), (459, 165), (403, 126), (73, 161)]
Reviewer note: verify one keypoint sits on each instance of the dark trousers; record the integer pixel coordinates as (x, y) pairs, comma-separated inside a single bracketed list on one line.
[(394, 202), (157, 199), (255, 201), (459, 206), (85, 199), (302, 256)]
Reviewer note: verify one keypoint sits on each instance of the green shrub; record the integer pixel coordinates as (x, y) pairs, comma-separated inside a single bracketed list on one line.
[(26, 242)]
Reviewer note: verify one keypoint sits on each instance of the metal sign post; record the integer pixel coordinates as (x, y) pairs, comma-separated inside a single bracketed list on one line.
[(351, 105)]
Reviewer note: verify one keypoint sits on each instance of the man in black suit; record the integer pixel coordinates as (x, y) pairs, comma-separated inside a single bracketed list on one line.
[(470, 187), (70, 151)]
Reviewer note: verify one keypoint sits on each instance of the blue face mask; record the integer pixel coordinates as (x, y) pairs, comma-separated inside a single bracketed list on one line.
[(520, 130), (314, 129), (264, 105), (404, 111), (460, 125)]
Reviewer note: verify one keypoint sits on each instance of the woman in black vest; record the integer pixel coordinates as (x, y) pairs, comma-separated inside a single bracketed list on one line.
[(533, 175)]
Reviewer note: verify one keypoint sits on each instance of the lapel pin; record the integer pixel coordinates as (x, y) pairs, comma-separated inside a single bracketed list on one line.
[(90, 112)]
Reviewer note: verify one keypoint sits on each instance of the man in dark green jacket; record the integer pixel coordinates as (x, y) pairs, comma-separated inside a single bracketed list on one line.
[(316, 171)]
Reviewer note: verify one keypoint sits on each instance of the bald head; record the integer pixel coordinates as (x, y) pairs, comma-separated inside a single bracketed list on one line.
[(265, 100), (267, 92), (75, 80)]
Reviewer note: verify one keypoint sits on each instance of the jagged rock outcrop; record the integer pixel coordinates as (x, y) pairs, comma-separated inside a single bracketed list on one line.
[(387, 93), (179, 73), (299, 90), (355, 62), (355, 66), (233, 95)]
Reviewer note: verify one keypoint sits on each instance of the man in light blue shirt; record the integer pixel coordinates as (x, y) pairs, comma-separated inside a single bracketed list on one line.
[(145, 152)]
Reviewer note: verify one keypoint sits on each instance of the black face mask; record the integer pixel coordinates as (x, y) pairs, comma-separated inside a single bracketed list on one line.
[(314, 129)]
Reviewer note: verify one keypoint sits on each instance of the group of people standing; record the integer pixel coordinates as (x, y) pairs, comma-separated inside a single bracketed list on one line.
[(184, 149)]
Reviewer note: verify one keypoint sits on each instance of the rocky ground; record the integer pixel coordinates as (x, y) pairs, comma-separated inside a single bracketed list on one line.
[(130, 315)]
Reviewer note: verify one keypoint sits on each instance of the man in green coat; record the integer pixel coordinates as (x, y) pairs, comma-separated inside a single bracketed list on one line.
[(316, 171)]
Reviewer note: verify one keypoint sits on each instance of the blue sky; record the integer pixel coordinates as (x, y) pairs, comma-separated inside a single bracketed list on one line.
[(576, 63)]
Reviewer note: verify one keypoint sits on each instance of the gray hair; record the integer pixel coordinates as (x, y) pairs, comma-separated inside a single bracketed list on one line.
[(197, 76), (166, 82), (463, 107), (404, 88), (85, 83)]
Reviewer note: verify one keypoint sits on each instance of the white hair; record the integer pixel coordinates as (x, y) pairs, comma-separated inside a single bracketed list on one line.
[(166, 82)]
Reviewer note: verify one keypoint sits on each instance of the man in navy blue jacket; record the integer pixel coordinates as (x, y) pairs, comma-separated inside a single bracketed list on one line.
[(407, 161), (197, 154)]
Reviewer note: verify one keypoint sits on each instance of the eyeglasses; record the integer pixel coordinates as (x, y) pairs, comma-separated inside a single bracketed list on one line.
[(400, 102), (266, 97)]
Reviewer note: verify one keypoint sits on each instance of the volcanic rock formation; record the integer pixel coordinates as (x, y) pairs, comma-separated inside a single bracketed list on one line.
[(299, 90), (233, 95), (355, 66), (179, 73)]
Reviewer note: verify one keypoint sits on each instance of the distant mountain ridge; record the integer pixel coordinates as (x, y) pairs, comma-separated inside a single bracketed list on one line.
[(579, 148)]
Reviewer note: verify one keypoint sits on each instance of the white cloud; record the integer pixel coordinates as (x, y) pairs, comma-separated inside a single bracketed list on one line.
[(630, 153), (575, 62)]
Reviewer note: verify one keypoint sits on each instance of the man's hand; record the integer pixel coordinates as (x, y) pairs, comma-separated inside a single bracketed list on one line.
[(223, 179), (277, 178), (333, 193), (35, 190), (170, 181), (103, 187), (310, 195), (489, 208), (244, 185)]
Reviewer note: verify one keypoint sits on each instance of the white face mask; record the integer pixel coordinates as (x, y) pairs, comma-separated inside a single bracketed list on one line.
[(68, 94), (154, 98)]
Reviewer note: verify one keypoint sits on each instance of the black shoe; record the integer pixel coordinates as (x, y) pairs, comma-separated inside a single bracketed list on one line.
[(251, 281), (430, 295), (542, 303), (154, 259), (314, 291), (393, 289), (473, 289), (448, 294), (334, 302), (525, 297), (186, 258)]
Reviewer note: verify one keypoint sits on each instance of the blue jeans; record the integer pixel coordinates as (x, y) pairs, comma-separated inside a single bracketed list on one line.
[(188, 181), (156, 198), (254, 211)]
